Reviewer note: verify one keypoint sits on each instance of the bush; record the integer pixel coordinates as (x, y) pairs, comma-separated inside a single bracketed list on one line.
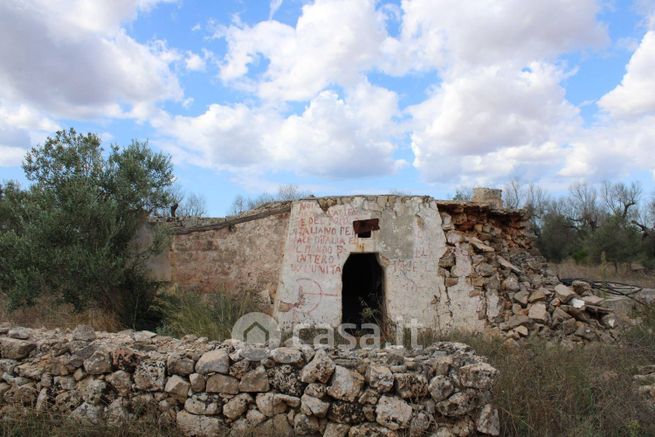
[(205, 315), (71, 234), (557, 238)]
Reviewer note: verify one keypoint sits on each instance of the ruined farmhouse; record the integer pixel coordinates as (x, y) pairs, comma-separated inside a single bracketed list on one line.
[(448, 265)]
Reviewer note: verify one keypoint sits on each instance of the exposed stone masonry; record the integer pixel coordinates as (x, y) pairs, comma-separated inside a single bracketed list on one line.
[(519, 295), (211, 388)]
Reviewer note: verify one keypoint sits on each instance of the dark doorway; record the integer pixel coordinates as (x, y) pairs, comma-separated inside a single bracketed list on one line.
[(362, 296)]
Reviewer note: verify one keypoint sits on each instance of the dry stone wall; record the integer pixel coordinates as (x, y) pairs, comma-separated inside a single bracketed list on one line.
[(211, 388), (491, 255)]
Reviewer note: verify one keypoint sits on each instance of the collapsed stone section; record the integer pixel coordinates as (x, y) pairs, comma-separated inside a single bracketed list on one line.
[(491, 255), (210, 388)]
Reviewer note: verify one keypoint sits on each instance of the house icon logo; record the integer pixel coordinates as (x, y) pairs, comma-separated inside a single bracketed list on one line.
[(257, 328)]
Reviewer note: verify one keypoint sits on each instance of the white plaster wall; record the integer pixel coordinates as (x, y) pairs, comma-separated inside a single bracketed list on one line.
[(410, 243)]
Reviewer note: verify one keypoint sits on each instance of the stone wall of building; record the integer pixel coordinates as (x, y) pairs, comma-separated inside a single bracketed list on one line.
[(232, 256), (448, 265), (491, 255), (320, 238), (211, 388)]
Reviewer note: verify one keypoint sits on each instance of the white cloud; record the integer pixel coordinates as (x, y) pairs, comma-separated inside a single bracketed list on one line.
[(10, 156), (21, 127), (332, 43), (332, 137), (635, 95), (73, 59), (440, 33), (490, 112), (194, 62), (612, 149)]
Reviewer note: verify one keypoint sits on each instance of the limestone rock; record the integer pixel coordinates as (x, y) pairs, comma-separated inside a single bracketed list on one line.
[(420, 424), (150, 375), (208, 405), (312, 406), (270, 404), (480, 375), (488, 421), (178, 365), (99, 362), (336, 430), (346, 384), (537, 295), (564, 293), (319, 369), (521, 297), (121, 381), (305, 425), (380, 378), (286, 355), (411, 385), (216, 361), (539, 313), (15, 349), (19, 333), (236, 406), (393, 413), (193, 425), (278, 425), (440, 388), (197, 382), (255, 381), (177, 386), (459, 404), (222, 384), (93, 392)]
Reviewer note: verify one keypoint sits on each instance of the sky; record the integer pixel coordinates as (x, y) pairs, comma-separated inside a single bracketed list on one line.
[(340, 96)]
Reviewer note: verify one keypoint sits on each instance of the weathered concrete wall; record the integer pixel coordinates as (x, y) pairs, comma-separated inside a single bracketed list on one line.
[(233, 258), (321, 237), (211, 388)]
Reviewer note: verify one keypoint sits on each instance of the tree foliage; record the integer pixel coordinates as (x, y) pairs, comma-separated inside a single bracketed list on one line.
[(72, 232)]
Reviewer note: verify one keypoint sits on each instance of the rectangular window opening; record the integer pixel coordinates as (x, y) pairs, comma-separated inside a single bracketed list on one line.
[(363, 228)]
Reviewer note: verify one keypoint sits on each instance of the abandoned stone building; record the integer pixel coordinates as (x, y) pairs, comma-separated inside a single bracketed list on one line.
[(446, 264)]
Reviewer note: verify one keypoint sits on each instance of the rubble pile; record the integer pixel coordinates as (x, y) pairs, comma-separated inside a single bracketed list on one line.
[(521, 297), (212, 388)]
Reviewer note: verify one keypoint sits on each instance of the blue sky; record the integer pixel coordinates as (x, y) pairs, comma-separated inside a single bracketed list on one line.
[(340, 96)]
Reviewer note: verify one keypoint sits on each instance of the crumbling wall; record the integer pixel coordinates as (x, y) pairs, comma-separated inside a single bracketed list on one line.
[(211, 388), (449, 265), (491, 255), (232, 255)]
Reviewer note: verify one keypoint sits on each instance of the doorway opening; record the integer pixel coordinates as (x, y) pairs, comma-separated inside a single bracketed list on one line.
[(362, 295)]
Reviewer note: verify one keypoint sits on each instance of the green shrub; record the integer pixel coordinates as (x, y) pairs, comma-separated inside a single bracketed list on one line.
[(72, 233), (210, 315)]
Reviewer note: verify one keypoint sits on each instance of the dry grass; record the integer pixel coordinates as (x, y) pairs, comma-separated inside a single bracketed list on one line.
[(544, 389), (50, 313), (205, 315), (32, 424), (605, 272)]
